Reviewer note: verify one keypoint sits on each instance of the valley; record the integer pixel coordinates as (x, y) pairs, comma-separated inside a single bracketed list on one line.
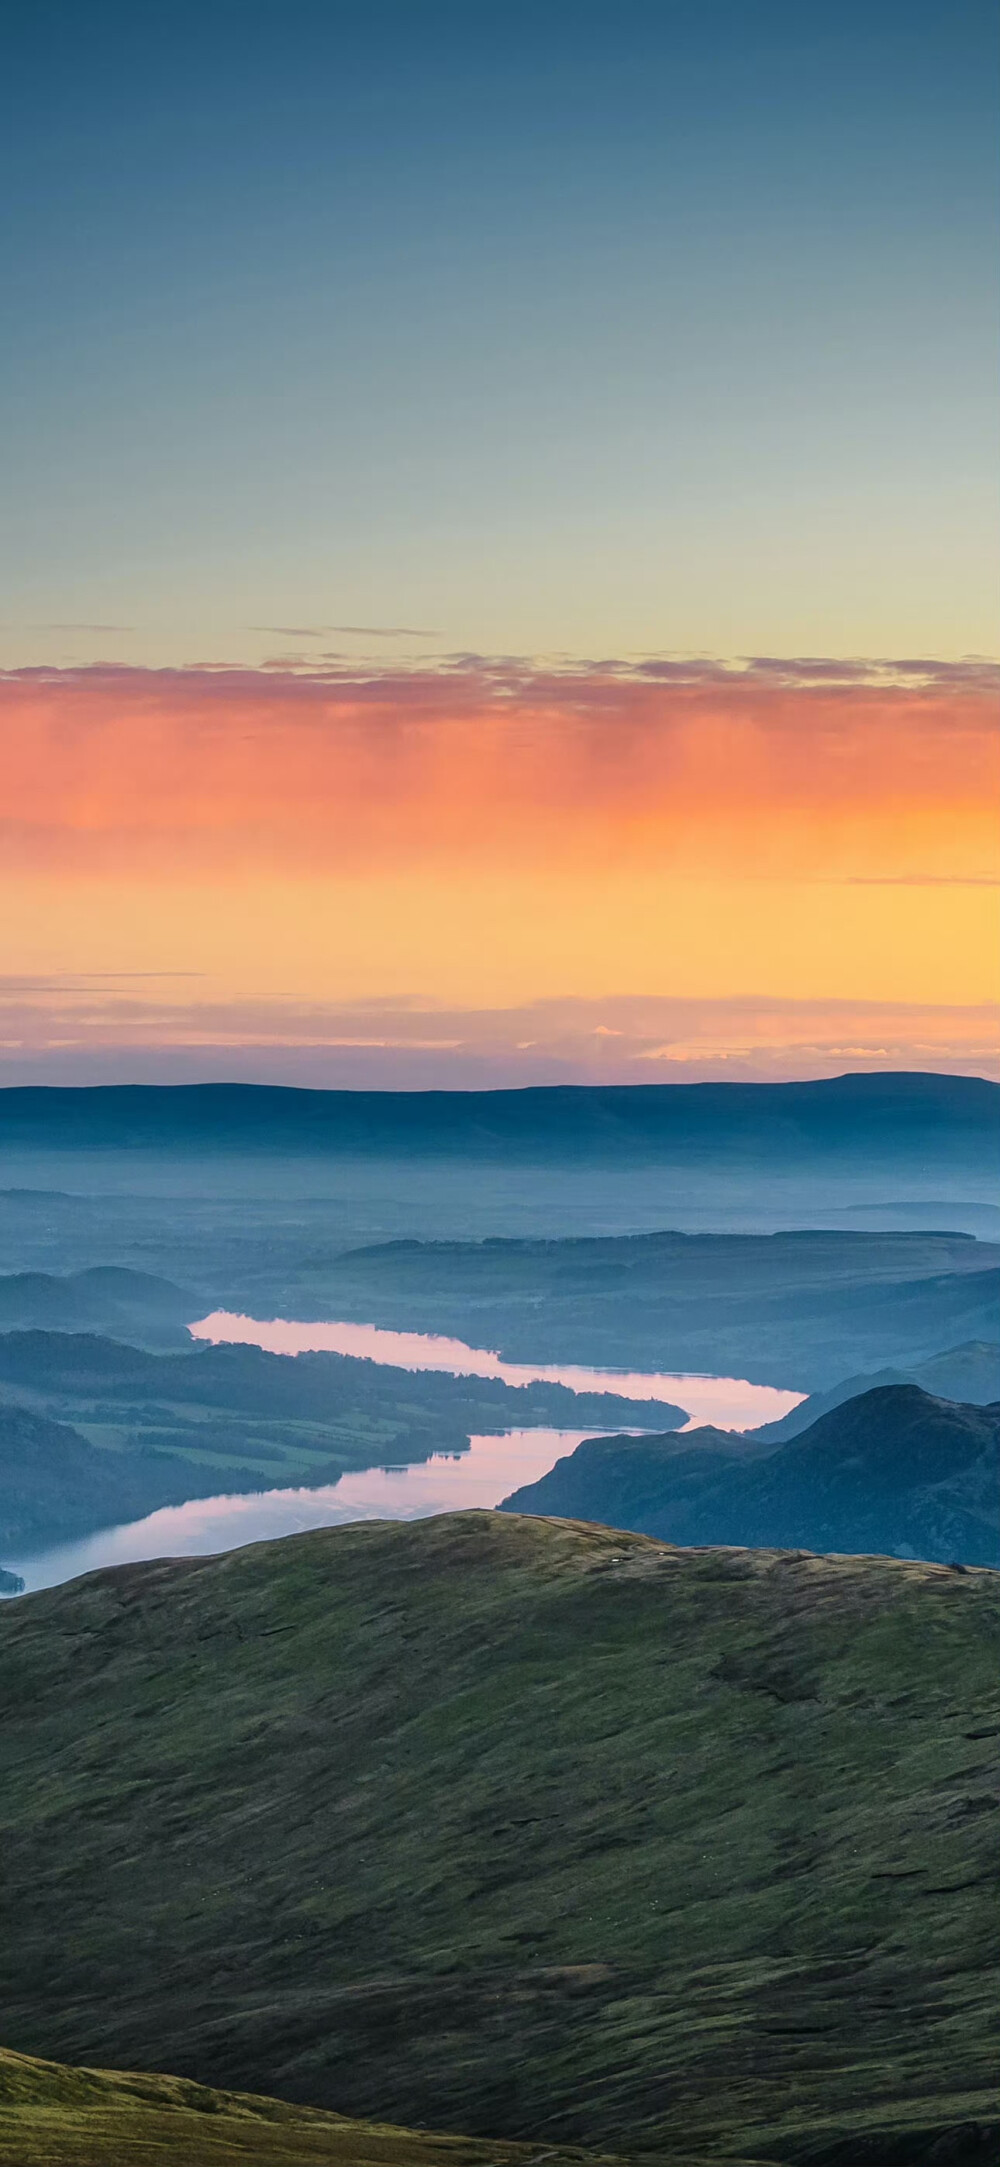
[(94, 1432), (373, 1815), (499, 1085)]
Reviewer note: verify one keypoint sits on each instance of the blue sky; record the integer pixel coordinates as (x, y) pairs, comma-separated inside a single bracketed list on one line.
[(597, 329)]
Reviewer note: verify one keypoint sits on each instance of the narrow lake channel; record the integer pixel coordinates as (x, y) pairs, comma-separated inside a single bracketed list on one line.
[(449, 1482), (728, 1402)]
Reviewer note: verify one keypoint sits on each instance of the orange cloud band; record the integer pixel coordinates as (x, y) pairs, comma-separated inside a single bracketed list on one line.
[(790, 771)]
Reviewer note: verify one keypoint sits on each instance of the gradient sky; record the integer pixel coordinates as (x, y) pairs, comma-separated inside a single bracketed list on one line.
[(347, 346), (529, 327)]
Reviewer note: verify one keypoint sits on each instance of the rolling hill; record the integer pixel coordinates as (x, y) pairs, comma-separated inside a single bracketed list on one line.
[(802, 1309), (104, 1298), (521, 1828), (51, 2116), (894, 1472)]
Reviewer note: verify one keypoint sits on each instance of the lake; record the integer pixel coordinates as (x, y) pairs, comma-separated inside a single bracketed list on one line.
[(449, 1482), (728, 1402)]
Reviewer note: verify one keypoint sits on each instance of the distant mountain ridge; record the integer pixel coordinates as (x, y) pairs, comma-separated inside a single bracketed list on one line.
[(805, 1308), (894, 1116), (970, 1372), (894, 1472)]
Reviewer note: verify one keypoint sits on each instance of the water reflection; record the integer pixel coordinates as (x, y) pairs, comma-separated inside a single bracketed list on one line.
[(488, 1472), (731, 1403), (447, 1483)]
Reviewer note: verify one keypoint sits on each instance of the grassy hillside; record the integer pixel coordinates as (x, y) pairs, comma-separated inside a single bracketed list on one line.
[(111, 1432), (51, 2116), (519, 1827), (894, 1472)]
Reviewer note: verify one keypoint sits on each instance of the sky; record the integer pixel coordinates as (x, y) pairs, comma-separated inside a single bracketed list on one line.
[(499, 546)]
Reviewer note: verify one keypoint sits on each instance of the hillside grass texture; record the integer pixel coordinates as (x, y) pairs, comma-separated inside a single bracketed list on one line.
[(521, 1828)]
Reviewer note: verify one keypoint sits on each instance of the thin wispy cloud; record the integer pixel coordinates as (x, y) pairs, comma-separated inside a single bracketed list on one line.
[(416, 1042), (565, 681), (922, 880), (15, 983), (373, 632)]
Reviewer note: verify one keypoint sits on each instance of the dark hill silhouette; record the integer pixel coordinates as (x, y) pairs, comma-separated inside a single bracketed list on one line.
[(891, 1117), (894, 1472), (970, 1372), (251, 1380)]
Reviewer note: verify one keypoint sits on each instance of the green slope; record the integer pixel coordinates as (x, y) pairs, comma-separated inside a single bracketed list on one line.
[(51, 2116), (522, 1828)]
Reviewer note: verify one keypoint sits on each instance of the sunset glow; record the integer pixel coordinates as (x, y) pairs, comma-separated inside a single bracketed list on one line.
[(420, 422), (255, 851)]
